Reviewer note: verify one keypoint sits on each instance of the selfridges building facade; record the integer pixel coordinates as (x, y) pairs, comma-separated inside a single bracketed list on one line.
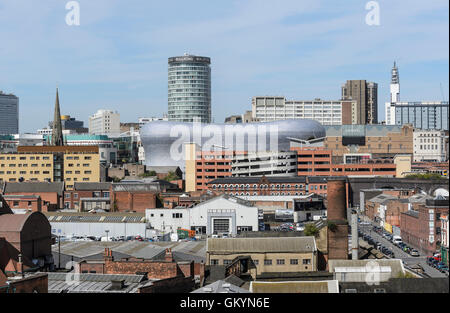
[(164, 141)]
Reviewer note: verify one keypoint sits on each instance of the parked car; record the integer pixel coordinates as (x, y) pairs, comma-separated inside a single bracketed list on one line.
[(443, 269), (414, 252)]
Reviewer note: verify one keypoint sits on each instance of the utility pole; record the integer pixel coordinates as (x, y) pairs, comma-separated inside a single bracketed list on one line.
[(59, 251)]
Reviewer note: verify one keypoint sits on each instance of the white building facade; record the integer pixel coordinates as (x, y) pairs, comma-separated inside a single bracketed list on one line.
[(105, 122), (221, 215), (429, 145), (267, 108)]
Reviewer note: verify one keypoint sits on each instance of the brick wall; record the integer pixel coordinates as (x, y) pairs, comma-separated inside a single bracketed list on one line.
[(338, 243), (34, 284), (133, 201)]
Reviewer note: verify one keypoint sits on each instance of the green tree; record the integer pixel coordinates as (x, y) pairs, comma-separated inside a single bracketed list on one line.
[(332, 226), (148, 174), (311, 230), (171, 176)]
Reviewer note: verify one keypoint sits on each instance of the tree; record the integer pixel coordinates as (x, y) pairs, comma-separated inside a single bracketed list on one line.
[(171, 176), (311, 230), (148, 174), (332, 226)]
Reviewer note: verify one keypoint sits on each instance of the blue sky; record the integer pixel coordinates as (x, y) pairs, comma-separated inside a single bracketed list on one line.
[(117, 57)]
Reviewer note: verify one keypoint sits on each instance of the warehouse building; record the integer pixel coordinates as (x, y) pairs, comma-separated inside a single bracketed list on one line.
[(265, 255), (224, 214)]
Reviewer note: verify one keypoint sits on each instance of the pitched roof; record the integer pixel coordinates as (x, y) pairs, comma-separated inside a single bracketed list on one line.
[(325, 286), (136, 187), (221, 286), (261, 245), (91, 186), (401, 285), (34, 187)]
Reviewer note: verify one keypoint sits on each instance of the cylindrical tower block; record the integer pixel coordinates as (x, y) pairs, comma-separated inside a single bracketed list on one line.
[(336, 199)]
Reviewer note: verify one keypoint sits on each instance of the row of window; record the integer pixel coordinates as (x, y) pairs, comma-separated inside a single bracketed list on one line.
[(24, 158), (26, 165), (24, 172), (266, 262), (77, 158)]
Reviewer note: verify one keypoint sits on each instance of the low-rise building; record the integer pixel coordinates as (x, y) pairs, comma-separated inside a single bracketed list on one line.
[(272, 254), (421, 227), (444, 238), (220, 215), (51, 193), (88, 196)]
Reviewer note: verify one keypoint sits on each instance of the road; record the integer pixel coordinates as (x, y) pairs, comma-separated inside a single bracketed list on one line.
[(399, 254)]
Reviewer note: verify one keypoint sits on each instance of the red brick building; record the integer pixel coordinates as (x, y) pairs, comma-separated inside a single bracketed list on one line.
[(179, 275), (26, 203), (134, 197), (88, 196), (50, 193), (30, 234), (421, 228)]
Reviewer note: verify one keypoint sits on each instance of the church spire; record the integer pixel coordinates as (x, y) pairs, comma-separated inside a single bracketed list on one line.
[(57, 137)]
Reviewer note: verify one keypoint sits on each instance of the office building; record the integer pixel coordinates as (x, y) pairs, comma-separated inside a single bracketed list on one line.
[(189, 97), (423, 115), (323, 111), (265, 255), (51, 164), (366, 95), (105, 122), (429, 145), (9, 114)]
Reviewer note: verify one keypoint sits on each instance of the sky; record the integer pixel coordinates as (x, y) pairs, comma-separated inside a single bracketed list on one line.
[(117, 57)]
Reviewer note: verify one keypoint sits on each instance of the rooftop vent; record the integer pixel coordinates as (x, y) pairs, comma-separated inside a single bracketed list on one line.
[(117, 284)]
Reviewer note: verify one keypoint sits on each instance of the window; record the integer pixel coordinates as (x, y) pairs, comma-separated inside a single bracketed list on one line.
[(67, 195), (267, 262), (256, 262), (226, 262), (306, 261), (280, 262), (214, 262), (294, 261), (177, 215)]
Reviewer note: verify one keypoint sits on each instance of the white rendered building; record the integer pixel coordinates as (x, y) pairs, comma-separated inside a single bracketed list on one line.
[(104, 122), (224, 214), (429, 145), (326, 112)]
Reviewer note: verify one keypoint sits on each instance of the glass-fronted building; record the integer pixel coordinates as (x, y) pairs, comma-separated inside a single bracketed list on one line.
[(9, 114), (189, 95), (423, 115)]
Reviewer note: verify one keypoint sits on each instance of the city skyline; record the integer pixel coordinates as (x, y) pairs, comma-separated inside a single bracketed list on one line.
[(297, 50)]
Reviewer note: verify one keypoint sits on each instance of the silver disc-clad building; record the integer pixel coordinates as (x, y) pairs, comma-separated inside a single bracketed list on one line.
[(9, 114), (164, 141), (189, 95)]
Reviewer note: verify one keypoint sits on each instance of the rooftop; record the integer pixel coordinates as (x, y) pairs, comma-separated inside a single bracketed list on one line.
[(262, 245)]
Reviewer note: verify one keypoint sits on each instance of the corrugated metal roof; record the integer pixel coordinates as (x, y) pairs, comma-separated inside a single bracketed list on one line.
[(261, 245), (133, 187), (34, 187), (91, 186)]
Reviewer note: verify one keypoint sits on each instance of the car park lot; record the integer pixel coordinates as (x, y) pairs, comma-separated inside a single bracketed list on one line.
[(376, 237)]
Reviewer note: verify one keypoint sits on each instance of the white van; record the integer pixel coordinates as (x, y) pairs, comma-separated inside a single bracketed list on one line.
[(396, 240)]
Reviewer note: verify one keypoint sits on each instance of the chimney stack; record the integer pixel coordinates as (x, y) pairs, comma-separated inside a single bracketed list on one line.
[(20, 266), (169, 256), (355, 239)]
